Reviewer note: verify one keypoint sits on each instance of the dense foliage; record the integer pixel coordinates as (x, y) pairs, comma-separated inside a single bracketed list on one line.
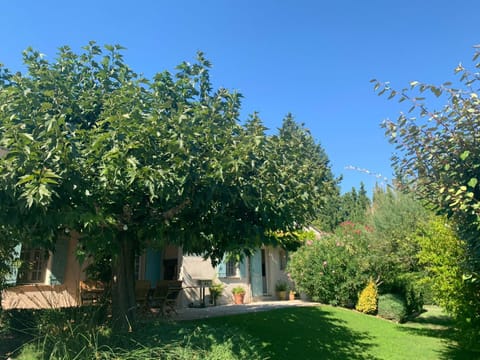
[(351, 206), (438, 156), (128, 162), (392, 307), (444, 254), (368, 299), (395, 218), (334, 268)]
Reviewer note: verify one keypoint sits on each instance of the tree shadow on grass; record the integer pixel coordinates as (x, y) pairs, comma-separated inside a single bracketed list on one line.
[(300, 333), (440, 327)]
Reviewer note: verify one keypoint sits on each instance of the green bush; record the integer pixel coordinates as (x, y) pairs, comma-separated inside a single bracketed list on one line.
[(454, 286), (367, 301), (392, 307), (332, 269), (412, 292)]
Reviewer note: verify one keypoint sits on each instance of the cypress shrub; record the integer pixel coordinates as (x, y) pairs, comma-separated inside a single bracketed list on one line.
[(368, 299)]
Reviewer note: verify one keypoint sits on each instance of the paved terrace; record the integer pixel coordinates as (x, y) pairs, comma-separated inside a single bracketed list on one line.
[(224, 310)]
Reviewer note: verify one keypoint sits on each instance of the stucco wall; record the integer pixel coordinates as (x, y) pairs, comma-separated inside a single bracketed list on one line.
[(37, 296)]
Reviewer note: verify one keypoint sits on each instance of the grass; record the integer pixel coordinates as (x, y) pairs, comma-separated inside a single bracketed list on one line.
[(334, 333), (323, 332)]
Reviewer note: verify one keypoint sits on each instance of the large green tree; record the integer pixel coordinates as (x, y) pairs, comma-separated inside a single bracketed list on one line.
[(439, 158), (129, 162)]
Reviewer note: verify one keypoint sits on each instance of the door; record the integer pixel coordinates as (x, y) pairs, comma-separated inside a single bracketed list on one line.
[(256, 273)]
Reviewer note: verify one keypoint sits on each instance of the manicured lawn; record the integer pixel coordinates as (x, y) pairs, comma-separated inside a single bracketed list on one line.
[(334, 333), (322, 332)]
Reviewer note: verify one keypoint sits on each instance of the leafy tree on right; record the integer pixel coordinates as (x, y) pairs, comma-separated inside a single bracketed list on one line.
[(438, 157)]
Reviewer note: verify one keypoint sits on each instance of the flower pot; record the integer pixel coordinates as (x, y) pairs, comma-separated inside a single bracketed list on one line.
[(291, 295), (238, 298), (282, 295)]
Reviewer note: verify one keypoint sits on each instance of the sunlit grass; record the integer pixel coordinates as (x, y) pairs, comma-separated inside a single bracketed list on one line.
[(322, 332)]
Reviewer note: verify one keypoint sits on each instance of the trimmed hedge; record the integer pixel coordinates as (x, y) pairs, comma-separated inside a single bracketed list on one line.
[(392, 307)]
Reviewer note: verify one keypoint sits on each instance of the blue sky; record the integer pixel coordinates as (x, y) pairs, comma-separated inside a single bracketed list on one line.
[(311, 58)]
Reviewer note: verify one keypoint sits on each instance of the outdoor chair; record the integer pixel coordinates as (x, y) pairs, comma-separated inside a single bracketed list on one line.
[(142, 290), (165, 296), (90, 292)]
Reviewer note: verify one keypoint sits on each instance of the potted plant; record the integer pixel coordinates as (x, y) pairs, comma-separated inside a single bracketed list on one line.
[(215, 292), (238, 294), (291, 294), (281, 289)]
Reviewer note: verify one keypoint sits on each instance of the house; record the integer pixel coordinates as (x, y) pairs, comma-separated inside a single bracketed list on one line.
[(52, 278)]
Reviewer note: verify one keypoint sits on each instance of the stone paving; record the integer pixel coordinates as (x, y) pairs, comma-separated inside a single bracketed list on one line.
[(224, 310)]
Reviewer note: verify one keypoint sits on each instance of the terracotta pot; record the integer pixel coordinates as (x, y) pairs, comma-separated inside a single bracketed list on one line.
[(238, 298), (291, 295)]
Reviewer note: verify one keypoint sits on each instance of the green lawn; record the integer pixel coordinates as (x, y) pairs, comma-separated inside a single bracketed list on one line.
[(322, 332), (334, 333)]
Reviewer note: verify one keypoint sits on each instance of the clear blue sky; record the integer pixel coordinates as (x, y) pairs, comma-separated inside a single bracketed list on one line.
[(312, 58)]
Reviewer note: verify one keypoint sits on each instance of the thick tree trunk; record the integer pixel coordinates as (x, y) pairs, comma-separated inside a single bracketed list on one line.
[(123, 286)]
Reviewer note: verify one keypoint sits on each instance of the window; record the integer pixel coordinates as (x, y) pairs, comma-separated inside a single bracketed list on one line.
[(231, 268), (34, 265)]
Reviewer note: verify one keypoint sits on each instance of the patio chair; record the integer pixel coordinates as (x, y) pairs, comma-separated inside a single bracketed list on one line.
[(165, 296), (90, 292), (142, 290), (174, 289)]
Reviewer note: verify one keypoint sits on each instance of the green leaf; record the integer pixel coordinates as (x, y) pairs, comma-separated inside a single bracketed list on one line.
[(24, 179), (464, 155), (473, 182), (27, 136)]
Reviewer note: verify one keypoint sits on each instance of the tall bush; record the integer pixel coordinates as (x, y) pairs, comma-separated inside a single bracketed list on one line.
[(334, 268), (445, 258)]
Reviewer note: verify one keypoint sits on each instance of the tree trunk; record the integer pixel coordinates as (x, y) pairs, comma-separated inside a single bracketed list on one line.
[(123, 286)]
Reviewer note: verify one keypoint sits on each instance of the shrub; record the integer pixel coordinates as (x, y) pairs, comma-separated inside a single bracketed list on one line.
[(367, 301), (455, 288), (332, 269), (410, 287), (392, 307)]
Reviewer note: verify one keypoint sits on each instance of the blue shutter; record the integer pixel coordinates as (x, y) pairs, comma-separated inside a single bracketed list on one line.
[(153, 266), (59, 262), (243, 268), (222, 269), (11, 277)]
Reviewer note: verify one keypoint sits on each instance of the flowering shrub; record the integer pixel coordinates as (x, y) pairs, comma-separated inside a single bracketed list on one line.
[(332, 269)]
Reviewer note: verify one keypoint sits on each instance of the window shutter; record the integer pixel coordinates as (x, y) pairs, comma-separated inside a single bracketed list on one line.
[(243, 268), (222, 269), (11, 278), (59, 262), (153, 266)]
